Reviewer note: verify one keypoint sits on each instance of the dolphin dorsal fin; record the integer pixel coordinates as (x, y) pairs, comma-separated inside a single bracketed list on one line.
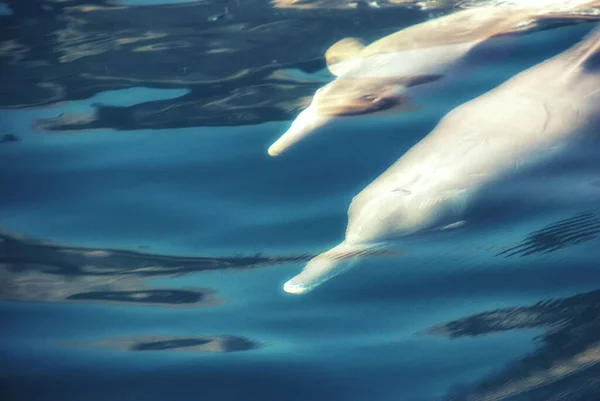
[(342, 51), (586, 55)]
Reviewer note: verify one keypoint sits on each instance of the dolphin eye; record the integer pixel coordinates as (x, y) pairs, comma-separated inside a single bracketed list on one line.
[(370, 98)]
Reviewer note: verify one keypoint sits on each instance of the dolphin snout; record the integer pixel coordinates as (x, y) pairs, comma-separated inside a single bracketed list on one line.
[(293, 287), (315, 273), (305, 124), (322, 268)]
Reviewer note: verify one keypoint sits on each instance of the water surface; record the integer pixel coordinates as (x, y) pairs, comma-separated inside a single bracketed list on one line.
[(143, 257)]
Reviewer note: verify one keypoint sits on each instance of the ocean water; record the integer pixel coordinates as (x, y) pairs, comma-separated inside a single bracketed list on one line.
[(129, 258)]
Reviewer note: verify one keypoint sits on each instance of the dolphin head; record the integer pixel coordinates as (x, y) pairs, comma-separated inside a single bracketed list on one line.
[(357, 96), (382, 213), (364, 84), (375, 219), (389, 214), (344, 98)]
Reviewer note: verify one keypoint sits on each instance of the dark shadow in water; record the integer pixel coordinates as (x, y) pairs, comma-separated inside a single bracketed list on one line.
[(25, 254), (38, 271), (8, 138), (564, 367), (32, 270), (566, 364), (211, 344), (572, 231), (25, 282), (148, 296)]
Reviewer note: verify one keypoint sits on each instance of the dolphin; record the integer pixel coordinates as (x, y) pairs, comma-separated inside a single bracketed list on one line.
[(527, 122), (390, 74)]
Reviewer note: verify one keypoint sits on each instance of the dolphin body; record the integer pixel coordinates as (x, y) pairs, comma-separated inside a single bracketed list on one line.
[(392, 73), (528, 121)]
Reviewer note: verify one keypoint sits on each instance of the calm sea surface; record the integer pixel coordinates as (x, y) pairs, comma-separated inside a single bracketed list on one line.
[(144, 260)]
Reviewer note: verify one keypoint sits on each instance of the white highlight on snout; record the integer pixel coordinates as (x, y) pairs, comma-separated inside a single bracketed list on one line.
[(294, 288), (322, 268), (317, 271), (306, 122)]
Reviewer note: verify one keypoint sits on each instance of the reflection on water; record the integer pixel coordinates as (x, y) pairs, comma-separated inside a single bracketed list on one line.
[(34, 270), (21, 282), (566, 364), (572, 231), (240, 63), (188, 344), (38, 271), (233, 57), (237, 66), (564, 367), (350, 4)]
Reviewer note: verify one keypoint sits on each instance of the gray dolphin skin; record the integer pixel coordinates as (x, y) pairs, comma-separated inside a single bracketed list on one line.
[(526, 122), (392, 74)]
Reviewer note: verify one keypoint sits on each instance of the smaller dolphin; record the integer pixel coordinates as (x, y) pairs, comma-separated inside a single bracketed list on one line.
[(547, 111), (389, 74)]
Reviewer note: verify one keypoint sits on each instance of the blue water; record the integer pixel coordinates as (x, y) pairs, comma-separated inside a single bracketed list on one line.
[(214, 191), (5, 9), (150, 2)]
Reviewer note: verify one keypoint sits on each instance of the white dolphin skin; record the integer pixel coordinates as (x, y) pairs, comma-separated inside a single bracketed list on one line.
[(525, 122), (391, 74)]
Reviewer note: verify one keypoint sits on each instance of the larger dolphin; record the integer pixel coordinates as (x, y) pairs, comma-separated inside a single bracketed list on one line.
[(527, 121), (389, 74)]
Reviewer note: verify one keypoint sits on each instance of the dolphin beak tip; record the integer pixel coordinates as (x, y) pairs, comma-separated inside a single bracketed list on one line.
[(303, 126), (292, 288)]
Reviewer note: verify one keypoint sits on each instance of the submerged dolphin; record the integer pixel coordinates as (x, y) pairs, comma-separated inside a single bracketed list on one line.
[(532, 118), (389, 74)]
